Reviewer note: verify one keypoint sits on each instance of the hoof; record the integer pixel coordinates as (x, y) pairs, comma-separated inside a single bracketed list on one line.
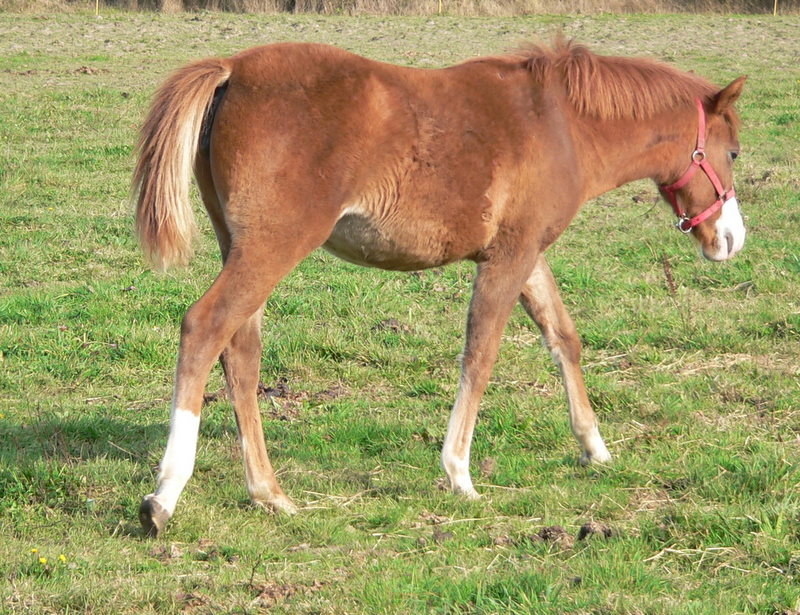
[(152, 516), (600, 457), (470, 495), (279, 505)]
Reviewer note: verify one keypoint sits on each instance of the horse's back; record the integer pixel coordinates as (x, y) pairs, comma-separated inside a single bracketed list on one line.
[(417, 167)]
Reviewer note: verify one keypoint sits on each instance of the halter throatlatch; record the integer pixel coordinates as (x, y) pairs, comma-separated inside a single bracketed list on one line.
[(685, 224)]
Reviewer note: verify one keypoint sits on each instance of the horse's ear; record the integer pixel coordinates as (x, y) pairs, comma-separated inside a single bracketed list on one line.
[(724, 99)]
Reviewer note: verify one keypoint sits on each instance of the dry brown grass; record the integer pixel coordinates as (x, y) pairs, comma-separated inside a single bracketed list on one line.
[(416, 7)]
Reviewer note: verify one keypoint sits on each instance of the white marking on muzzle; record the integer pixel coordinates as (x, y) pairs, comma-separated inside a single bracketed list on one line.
[(730, 232)]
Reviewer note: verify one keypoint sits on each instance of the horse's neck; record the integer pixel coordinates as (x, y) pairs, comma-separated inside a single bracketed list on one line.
[(614, 152)]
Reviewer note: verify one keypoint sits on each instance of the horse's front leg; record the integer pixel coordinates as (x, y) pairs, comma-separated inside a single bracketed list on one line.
[(542, 302), (496, 289)]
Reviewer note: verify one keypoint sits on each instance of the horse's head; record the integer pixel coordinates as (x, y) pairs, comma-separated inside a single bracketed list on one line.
[(705, 201)]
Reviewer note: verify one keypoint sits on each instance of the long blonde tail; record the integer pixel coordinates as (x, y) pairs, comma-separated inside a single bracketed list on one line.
[(167, 148)]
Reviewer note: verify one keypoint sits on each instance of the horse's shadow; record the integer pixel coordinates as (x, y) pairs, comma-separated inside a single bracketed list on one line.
[(53, 462), (70, 440)]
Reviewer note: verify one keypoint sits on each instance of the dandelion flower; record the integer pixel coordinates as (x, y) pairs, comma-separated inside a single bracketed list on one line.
[(43, 561), (62, 558), (34, 550)]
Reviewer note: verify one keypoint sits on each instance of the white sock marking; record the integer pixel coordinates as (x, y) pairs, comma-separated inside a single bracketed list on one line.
[(178, 463), (456, 462)]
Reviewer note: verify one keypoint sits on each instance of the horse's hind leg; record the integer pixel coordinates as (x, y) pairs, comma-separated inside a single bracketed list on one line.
[(241, 362), (542, 302), (253, 267)]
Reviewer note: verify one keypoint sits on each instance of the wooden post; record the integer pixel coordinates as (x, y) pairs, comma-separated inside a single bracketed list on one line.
[(775, 8)]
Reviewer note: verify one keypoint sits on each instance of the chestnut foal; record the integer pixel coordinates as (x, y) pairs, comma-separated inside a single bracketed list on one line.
[(300, 146)]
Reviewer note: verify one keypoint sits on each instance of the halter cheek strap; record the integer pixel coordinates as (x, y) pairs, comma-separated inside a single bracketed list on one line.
[(685, 223)]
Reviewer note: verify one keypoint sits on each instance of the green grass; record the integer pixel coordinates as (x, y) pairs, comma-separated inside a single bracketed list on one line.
[(697, 391)]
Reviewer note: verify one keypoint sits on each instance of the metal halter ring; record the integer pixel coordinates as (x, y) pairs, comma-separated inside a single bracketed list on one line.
[(684, 225)]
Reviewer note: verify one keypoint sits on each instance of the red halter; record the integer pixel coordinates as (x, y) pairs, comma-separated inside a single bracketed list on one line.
[(685, 224)]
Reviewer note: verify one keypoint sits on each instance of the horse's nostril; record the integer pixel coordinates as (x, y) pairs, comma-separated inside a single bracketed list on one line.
[(729, 239)]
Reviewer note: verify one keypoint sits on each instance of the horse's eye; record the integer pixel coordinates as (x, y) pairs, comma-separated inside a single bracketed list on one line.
[(734, 155)]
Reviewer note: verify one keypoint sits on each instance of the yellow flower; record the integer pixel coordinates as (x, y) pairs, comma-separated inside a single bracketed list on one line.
[(62, 558), (34, 550), (43, 561)]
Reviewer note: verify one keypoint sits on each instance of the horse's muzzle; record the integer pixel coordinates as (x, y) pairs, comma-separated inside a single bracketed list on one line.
[(730, 233)]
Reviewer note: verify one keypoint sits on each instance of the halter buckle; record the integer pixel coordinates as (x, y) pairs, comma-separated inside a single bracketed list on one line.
[(684, 225)]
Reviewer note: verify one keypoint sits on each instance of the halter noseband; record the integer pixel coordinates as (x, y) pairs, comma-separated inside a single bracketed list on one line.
[(685, 224)]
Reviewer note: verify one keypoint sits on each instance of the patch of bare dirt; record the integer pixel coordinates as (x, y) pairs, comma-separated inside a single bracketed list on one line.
[(425, 437), (431, 518), (554, 534), (732, 395), (393, 325), (208, 551), (210, 398), (647, 499), (488, 467), (558, 536), (595, 528), (165, 553), (440, 536), (22, 73), (285, 403), (205, 550), (190, 601), (334, 392), (281, 389), (88, 70), (270, 594)]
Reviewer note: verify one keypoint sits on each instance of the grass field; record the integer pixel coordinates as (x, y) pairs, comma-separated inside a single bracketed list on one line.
[(696, 385)]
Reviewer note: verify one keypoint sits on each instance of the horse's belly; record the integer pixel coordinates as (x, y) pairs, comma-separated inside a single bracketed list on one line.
[(363, 240)]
